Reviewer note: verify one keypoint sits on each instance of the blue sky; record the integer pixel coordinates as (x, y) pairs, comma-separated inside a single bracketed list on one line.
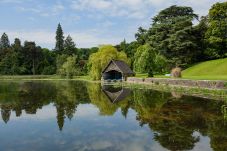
[(89, 22)]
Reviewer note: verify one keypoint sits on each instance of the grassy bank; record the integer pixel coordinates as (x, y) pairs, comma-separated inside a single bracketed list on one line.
[(42, 77), (208, 70), (215, 94)]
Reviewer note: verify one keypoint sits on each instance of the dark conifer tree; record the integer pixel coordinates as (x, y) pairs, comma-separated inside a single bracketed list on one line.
[(59, 47), (69, 46), (4, 41)]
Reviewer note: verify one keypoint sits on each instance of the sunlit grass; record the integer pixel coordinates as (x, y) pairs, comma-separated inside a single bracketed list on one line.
[(208, 68), (41, 77)]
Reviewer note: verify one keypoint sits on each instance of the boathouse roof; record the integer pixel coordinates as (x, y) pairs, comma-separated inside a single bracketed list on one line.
[(121, 65)]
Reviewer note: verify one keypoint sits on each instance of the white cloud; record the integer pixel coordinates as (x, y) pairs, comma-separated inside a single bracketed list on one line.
[(200, 7), (46, 113), (91, 4), (57, 8), (127, 8), (138, 9), (33, 10), (42, 10)]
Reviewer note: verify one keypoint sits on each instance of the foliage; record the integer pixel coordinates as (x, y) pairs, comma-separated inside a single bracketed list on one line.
[(69, 67), (59, 46), (98, 60), (69, 46), (148, 60), (160, 63), (200, 31), (129, 49), (4, 42), (144, 59), (32, 55), (172, 34), (60, 60), (216, 34), (141, 36)]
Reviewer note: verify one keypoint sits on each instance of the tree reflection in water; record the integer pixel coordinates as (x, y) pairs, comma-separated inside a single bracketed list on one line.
[(173, 118)]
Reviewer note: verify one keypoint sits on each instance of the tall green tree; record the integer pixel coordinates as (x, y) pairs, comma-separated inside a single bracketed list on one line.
[(69, 46), (32, 56), (172, 34), (11, 62), (59, 46), (199, 32), (4, 43), (216, 34), (141, 36)]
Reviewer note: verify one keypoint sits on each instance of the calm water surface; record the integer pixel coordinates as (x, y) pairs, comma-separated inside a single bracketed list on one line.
[(81, 116)]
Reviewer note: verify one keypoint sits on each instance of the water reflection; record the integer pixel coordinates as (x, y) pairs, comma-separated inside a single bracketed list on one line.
[(115, 94), (176, 122)]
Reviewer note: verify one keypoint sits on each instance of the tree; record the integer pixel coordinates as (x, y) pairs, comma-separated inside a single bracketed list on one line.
[(4, 43), (32, 56), (69, 46), (216, 34), (147, 60), (17, 43), (144, 59), (171, 34), (59, 46), (9, 65), (200, 32), (97, 61), (141, 59), (70, 67), (60, 60), (141, 36), (47, 63), (123, 46)]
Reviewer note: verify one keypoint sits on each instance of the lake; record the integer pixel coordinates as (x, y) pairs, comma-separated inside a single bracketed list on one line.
[(84, 116)]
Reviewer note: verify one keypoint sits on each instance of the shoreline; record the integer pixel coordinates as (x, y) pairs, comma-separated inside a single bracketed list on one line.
[(208, 84), (159, 84), (214, 94)]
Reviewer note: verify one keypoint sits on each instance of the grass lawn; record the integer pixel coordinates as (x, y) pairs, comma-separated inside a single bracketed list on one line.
[(41, 77), (209, 70)]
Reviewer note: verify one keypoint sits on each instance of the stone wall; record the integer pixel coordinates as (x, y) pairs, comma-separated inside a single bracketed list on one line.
[(212, 84)]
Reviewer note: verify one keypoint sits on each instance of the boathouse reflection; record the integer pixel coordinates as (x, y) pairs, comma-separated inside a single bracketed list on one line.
[(115, 94)]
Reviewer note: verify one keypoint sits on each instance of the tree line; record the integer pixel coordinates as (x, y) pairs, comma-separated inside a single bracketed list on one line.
[(29, 59), (177, 37)]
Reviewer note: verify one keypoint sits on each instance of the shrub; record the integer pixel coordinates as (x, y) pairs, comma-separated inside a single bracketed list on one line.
[(176, 72)]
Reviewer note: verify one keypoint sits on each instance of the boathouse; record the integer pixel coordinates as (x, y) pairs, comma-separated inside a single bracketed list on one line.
[(117, 70), (115, 94)]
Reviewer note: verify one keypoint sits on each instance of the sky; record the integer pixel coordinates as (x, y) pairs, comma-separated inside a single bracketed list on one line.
[(89, 22)]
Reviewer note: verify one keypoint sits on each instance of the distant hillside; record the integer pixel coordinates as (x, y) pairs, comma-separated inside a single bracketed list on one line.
[(214, 69)]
